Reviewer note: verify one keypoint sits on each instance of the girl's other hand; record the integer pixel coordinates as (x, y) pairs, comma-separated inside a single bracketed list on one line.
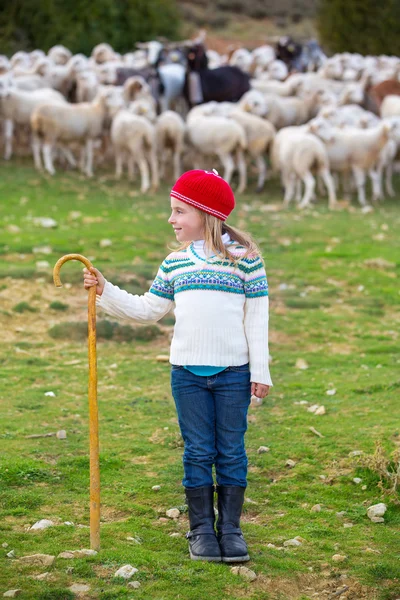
[(93, 277), (259, 390)]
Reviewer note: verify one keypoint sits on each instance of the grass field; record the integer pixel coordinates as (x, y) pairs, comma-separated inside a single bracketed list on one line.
[(333, 305)]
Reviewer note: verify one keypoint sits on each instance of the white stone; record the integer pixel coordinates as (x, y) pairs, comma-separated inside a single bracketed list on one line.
[(295, 543), (45, 560), (70, 523), (176, 534), (320, 411), (45, 222), (173, 513), (262, 449), (244, 572), (42, 524), (301, 364), (290, 463), (12, 593), (348, 525), (42, 265), (61, 435), (42, 250), (51, 394), (255, 402), (339, 558), (316, 508), (377, 511), (312, 408), (377, 519), (79, 588), (11, 554), (156, 488), (162, 358), (77, 553), (330, 392), (4, 545), (134, 584), (271, 545), (357, 480), (105, 243), (355, 453), (126, 572), (133, 539), (41, 577), (13, 228)]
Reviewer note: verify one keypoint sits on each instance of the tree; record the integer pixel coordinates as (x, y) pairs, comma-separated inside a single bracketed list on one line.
[(364, 26), (81, 24)]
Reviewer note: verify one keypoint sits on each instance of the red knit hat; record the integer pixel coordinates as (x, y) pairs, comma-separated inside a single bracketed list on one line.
[(207, 191)]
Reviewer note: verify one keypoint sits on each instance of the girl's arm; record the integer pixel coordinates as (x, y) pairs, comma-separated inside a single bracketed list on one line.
[(146, 309), (256, 316)]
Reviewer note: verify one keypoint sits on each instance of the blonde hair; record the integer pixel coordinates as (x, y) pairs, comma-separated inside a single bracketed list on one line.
[(213, 231)]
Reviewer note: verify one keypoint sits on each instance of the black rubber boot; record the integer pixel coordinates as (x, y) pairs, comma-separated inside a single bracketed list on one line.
[(203, 543), (229, 535)]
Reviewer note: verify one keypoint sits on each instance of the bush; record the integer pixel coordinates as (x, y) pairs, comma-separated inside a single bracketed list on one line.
[(81, 25), (363, 26)]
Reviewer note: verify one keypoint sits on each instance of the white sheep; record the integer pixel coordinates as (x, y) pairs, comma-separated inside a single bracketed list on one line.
[(170, 133), (298, 154), (59, 54), (134, 141), (62, 123), (222, 137), (16, 107), (390, 107), (352, 150)]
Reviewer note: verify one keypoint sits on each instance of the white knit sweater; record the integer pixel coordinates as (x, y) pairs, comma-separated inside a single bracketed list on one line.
[(221, 309)]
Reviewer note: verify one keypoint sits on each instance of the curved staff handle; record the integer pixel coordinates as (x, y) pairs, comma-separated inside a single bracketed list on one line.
[(93, 409)]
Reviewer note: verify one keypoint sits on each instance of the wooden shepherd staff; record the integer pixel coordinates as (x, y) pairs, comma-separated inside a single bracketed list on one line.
[(93, 410)]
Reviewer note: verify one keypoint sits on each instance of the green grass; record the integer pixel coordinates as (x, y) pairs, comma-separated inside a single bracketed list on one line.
[(333, 311)]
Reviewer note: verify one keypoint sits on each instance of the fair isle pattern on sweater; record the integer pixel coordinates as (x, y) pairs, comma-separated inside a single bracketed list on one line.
[(179, 273)]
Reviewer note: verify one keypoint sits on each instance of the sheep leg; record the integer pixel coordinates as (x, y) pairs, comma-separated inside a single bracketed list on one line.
[(262, 172), (228, 164), (330, 186), (309, 183), (144, 173), (131, 169), (8, 138), (154, 170), (119, 164), (89, 158), (388, 180), (376, 180), (67, 154), (48, 158), (359, 176), (289, 182), (242, 171), (36, 152), (298, 190), (177, 164)]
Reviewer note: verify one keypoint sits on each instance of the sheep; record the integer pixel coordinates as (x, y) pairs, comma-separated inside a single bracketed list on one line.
[(136, 88), (103, 53), (60, 55), (387, 157), (297, 153), (352, 150), (143, 108), (390, 106), (170, 132), (259, 136), (134, 139), (259, 132), (283, 112), (54, 123), (221, 137), (16, 107)]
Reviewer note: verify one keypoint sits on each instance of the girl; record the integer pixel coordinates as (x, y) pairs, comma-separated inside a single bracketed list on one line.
[(219, 351)]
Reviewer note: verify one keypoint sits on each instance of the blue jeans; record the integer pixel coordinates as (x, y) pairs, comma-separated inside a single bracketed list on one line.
[(212, 414)]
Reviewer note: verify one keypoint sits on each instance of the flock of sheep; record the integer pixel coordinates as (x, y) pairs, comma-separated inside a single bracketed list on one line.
[(311, 124)]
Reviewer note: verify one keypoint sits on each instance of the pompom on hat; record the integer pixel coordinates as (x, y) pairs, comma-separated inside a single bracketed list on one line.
[(207, 191)]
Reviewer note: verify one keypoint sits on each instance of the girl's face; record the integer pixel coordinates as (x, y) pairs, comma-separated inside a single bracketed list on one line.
[(186, 221)]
